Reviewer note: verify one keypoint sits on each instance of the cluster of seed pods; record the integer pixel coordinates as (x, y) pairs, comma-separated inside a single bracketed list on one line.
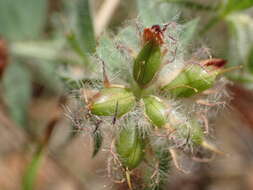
[(133, 144)]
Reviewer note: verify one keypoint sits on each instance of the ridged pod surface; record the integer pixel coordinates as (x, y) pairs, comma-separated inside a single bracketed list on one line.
[(130, 147), (192, 80), (155, 110), (111, 100), (147, 63)]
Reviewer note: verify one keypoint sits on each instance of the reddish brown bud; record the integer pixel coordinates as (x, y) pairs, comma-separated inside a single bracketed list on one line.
[(155, 34)]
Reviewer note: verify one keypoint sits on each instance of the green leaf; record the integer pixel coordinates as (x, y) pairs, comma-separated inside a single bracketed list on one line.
[(97, 141), (112, 57), (85, 26), (22, 19), (72, 83), (44, 73), (41, 57), (130, 147), (236, 5), (147, 63), (241, 39), (192, 5), (73, 42), (32, 170), (17, 92), (225, 10), (42, 50), (211, 23), (112, 100), (152, 12), (155, 110), (188, 32), (129, 37), (115, 62)]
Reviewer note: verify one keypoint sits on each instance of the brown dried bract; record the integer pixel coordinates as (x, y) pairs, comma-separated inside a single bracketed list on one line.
[(218, 63)]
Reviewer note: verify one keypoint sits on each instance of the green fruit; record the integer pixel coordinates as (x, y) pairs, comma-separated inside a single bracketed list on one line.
[(197, 135), (192, 80), (155, 110), (147, 63), (130, 147), (111, 100)]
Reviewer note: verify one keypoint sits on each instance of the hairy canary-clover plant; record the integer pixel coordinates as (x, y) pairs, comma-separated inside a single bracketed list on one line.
[(151, 101)]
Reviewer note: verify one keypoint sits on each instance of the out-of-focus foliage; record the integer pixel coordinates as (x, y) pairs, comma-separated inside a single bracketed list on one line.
[(80, 27), (85, 26), (237, 49), (241, 28), (17, 92), (32, 170), (189, 32), (236, 5), (148, 12), (23, 19)]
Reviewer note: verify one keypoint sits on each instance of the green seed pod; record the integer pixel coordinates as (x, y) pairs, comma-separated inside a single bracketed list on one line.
[(155, 110), (197, 135), (130, 147), (111, 101), (191, 131), (192, 80), (147, 63)]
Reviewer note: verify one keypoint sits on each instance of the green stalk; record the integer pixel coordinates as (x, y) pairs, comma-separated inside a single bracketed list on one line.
[(32, 169)]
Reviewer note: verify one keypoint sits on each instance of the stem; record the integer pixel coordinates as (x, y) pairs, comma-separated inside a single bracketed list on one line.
[(230, 69), (128, 177), (44, 51), (32, 169), (137, 90), (212, 148)]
